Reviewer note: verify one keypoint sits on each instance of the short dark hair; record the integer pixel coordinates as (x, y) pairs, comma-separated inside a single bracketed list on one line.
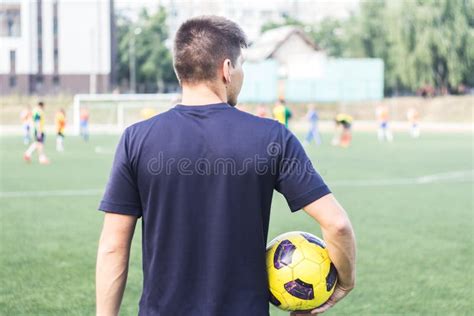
[(40, 103), (202, 44)]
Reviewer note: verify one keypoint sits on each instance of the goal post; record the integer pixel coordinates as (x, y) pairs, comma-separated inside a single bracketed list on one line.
[(111, 113)]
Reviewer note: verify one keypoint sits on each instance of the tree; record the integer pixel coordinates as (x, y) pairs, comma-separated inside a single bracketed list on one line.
[(330, 36), (422, 42), (154, 66), (425, 42), (287, 21)]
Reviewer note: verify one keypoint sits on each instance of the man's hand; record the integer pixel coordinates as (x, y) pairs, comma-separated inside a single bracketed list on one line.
[(338, 294)]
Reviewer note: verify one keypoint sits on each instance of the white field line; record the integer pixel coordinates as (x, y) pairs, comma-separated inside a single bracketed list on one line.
[(51, 193), (103, 151), (454, 176), (450, 177)]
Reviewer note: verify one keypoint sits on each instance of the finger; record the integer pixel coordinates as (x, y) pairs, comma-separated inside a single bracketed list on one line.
[(323, 308), (300, 313)]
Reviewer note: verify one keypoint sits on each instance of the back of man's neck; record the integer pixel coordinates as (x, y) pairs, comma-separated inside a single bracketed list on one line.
[(201, 94)]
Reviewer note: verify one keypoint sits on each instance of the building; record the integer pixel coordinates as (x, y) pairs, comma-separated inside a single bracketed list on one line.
[(51, 46), (250, 14), (284, 63), (280, 44)]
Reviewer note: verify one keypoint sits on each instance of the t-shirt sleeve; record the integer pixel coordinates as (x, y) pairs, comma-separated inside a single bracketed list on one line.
[(121, 194), (297, 179)]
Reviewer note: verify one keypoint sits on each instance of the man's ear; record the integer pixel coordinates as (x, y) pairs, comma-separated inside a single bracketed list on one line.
[(226, 69)]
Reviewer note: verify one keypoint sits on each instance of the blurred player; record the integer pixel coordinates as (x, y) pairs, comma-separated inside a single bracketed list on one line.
[(383, 132), (261, 111), (38, 144), (147, 113), (84, 124), (313, 132), (413, 118), (60, 121), (281, 112), (343, 135), (25, 117)]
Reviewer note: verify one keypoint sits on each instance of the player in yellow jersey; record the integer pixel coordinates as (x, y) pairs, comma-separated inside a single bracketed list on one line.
[(147, 113), (38, 124), (343, 135), (60, 121), (281, 113)]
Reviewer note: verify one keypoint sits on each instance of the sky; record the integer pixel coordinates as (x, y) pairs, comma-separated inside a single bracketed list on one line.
[(326, 8)]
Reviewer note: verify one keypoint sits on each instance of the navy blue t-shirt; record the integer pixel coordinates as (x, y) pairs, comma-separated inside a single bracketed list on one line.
[(202, 179)]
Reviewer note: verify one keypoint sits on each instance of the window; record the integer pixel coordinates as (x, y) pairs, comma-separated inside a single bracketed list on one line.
[(55, 27), (40, 25), (39, 33), (56, 80), (40, 60), (12, 61), (12, 81), (55, 41), (10, 20), (55, 18), (55, 60)]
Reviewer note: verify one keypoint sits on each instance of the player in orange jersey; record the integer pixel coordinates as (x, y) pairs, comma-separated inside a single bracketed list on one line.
[(261, 111), (84, 123), (413, 118), (60, 121), (384, 132)]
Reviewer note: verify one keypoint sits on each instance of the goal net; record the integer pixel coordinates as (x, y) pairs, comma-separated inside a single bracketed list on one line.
[(111, 113)]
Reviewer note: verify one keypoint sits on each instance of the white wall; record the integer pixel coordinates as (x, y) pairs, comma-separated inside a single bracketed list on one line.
[(84, 37), (83, 42), (25, 61), (47, 16), (294, 45)]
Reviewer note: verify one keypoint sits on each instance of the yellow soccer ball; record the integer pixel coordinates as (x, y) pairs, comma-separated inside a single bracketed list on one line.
[(300, 274)]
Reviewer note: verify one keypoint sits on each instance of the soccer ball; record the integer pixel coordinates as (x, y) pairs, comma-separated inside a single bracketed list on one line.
[(300, 274)]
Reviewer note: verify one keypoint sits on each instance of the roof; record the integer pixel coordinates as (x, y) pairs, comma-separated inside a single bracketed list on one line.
[(269, 42)]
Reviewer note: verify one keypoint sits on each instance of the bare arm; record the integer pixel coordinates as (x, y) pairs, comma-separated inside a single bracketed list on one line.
[(112, 262), (339, 236)]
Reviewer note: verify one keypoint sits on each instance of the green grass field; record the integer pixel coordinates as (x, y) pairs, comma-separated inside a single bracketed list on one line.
[(415, 235)]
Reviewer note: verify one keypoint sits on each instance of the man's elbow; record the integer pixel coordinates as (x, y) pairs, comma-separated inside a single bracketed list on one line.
[(342, 227), (107, 248)]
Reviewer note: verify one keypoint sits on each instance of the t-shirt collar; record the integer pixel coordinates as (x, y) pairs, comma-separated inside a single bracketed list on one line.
[(221, 105)]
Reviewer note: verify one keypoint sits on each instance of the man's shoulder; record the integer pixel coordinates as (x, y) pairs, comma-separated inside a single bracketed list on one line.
[(148, 123), (255, 124), (257, 120)]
